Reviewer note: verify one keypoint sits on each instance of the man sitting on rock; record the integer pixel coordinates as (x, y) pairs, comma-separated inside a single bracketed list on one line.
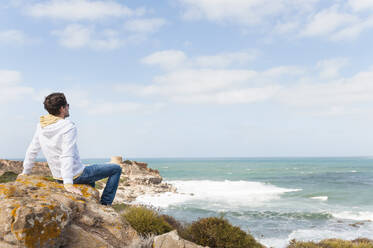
[(56, 136)]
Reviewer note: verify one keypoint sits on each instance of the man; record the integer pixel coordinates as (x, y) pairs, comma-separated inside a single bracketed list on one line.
[(56, 136)]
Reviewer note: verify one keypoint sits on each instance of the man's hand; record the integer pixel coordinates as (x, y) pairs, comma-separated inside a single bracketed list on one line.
[(70, 188)]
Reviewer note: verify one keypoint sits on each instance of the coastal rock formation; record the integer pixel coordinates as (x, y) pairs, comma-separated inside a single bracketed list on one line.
[(40, 168), (37, 212), (136, 179)]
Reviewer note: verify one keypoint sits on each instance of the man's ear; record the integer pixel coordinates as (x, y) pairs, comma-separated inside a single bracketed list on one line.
[(61, 109)]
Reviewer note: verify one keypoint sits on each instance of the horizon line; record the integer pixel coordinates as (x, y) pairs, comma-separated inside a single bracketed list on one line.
[(219, 157)]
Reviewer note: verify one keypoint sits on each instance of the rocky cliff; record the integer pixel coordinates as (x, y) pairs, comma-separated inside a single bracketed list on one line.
[(37, 212), (136, 179)]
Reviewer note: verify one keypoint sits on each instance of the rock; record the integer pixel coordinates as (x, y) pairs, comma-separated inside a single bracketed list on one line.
[(40, 168), (172, 240), (356, 224), (155, 180), (38, 213), (78, 237), (136, 179)]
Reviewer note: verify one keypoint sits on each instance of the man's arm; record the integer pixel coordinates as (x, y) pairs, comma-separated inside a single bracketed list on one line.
[(31, 153), (67, 159)]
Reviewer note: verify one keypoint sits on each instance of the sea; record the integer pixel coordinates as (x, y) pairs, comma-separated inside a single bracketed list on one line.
[(274, 199)]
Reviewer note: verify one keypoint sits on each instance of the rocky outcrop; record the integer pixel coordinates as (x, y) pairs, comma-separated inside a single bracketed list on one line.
[(36, 212), (40, 168), (173, 240), (136, 179)]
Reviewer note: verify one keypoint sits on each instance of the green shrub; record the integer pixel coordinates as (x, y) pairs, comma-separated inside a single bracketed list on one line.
[(8, 176), (146, 221), (177, 225), (333, 243), (172, 221), (120, 207), (218, 232)]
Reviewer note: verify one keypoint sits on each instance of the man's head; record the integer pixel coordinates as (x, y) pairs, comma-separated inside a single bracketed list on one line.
[(57, 105)]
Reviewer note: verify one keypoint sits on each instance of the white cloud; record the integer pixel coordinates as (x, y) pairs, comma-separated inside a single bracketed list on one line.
[(78, 36), (338, 92), (199, 81), (338, 111), (89, 102), (107, 108), (330, 68), (243, 12), (319, 87), (149, 25), (327, 21), (8, 77), (361, 5), (224, 60), (205, 86), (343, 20), (75, 10), (287, 27), (339, 22), (167, 59), (171, 59), (13, 36), (351, 32), (239, 96), (279, 71), (202, 79), (74, 36), (10, 90)]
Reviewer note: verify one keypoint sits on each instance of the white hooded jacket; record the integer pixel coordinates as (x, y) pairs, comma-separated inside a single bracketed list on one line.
[(58, 144)]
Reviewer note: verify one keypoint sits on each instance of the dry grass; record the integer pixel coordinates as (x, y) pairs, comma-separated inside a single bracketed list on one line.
[(333, 243), (146, 221)]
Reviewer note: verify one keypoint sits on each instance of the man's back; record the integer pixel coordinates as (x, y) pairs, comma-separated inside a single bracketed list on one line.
[(57, 139)]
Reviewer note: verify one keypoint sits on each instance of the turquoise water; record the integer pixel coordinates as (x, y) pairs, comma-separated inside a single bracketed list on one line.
[(276, 199)]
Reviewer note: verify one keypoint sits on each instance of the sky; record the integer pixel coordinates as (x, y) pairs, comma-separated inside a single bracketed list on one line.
[(191, 78)]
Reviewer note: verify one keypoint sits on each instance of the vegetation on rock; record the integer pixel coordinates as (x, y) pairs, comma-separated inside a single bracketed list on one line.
[(8, 177), (218, 232), (120, 207), (333, 243), (146, 221)]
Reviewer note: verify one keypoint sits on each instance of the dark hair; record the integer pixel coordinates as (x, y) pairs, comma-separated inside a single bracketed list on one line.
[(54, 102)]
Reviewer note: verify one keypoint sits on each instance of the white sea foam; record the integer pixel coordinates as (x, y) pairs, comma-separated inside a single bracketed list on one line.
[(349, 215), (320, 198), (216, 195), (353, 171)]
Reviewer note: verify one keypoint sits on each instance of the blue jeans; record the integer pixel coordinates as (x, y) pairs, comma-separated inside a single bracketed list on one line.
[(95, 172)]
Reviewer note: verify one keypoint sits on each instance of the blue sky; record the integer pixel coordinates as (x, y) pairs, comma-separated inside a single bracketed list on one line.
[(191, 78)]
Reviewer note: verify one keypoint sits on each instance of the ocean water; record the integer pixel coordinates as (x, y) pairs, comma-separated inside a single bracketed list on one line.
[(275, 199)]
